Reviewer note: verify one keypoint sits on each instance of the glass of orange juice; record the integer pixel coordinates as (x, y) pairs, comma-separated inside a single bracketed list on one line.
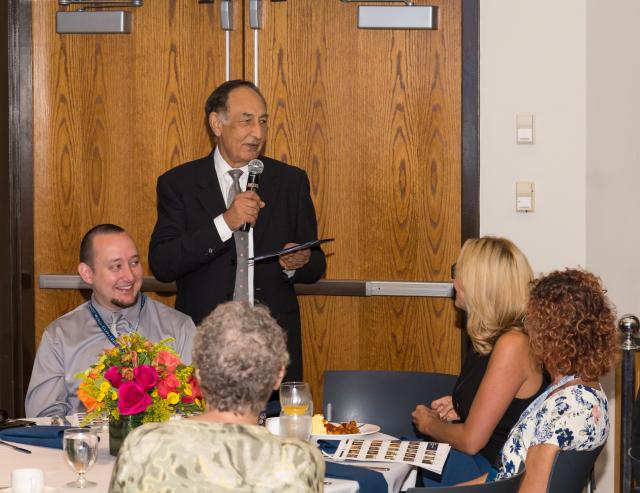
[(296, 410)]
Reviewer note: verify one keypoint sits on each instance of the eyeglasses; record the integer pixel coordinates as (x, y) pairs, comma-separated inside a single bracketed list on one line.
[(453, 270)]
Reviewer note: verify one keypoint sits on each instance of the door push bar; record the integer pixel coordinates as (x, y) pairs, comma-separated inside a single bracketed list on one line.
[(324, 287), (103, 3)]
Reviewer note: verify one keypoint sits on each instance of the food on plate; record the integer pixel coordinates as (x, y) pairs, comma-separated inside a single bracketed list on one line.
[(317, 425), (349, 428), (320, 426)]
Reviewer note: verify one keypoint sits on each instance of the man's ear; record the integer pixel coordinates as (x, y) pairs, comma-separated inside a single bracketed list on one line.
[(215, 122), (279, 379), (86, 272)]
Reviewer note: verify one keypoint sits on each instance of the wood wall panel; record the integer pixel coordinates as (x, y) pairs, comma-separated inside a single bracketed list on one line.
[(111, 113), (374, 117)]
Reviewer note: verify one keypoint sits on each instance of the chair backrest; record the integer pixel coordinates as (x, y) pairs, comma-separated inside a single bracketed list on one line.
[(571, 470), (635, 464), (509, 485), (384, 398)]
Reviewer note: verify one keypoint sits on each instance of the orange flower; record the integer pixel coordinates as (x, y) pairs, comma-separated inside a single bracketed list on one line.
[(169, 360), (89, 402), (169, 384), (127, 373)]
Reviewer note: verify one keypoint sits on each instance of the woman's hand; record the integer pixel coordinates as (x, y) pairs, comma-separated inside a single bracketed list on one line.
[(424, 418), (444, 408)]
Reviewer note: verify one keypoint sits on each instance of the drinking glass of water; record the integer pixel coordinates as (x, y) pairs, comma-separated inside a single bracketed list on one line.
[(297, 410), (80, 448)]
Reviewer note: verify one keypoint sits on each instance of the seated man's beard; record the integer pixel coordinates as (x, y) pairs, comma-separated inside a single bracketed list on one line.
[(122, 304)]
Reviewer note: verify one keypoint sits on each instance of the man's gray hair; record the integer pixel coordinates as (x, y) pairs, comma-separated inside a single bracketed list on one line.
[(239, 351)]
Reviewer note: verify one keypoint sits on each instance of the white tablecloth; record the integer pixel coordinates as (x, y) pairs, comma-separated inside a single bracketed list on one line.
[(57, 473)]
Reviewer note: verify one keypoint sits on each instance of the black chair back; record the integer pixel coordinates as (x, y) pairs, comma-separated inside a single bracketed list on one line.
[(509, 485), (384, 398), (571, 470), (635, 464)]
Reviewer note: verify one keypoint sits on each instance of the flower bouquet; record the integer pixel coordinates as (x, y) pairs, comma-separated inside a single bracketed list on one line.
[(138, 382)]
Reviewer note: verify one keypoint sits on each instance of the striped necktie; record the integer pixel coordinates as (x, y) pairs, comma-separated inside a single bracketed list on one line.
[(241, 288)]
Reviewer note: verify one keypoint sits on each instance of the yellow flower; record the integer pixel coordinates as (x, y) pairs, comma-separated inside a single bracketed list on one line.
[(173, 398), (100, 367), (154, 393), (104, 386), (187, 390), (100, 396), (114, 395)]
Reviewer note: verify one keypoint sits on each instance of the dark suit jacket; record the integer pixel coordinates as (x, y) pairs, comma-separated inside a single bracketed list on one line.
[(185, 246)]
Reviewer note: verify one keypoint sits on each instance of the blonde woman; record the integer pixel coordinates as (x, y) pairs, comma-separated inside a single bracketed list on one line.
[(500, 377)]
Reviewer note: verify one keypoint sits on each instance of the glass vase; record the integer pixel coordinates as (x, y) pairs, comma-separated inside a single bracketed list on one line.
[(119, 429)]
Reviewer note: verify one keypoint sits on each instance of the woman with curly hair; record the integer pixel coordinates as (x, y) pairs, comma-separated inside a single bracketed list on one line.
[(500, 377), (571, 324)]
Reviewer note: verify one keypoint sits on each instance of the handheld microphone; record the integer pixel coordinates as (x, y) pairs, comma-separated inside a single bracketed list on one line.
[(255, 168)]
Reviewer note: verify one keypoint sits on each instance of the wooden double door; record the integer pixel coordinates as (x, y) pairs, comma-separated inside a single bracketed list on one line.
[(373, 116)]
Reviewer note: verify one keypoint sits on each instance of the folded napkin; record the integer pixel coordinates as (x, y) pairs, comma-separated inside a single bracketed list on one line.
[(41, 436), (369, 481), (328, 446)]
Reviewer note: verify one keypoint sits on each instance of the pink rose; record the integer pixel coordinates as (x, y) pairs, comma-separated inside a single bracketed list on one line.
[(169, 360), (168, 384), (113, 376), (132, 399), (146, 376)]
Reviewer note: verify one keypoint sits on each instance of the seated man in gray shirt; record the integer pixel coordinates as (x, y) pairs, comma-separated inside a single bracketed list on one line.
[(110, 263)]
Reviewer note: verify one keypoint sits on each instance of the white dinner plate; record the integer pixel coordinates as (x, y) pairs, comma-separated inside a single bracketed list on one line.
[(365, 429)]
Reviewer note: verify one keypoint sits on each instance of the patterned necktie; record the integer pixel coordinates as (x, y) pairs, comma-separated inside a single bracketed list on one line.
[(241, 289), (120, 324)]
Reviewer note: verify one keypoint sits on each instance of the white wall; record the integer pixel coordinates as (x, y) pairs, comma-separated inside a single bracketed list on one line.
[(574, 64), (613, 148), (532, 60)]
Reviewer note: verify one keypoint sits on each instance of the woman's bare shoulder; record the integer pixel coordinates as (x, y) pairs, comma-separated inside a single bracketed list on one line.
[(513, 342)]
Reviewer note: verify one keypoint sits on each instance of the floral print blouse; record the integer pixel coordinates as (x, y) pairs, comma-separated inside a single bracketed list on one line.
[(574, 418)]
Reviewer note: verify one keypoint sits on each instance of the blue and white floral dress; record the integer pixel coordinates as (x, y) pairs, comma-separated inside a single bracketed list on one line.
[(574, 418)]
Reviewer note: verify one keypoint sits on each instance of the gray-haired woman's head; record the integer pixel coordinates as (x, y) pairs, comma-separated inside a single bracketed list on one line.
[(239, 351)]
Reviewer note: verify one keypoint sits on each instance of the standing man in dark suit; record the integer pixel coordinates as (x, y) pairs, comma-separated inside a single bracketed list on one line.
[(193, 240)]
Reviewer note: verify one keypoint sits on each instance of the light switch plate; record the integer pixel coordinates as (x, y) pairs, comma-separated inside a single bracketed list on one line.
[(524, 128), (525, 196)]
